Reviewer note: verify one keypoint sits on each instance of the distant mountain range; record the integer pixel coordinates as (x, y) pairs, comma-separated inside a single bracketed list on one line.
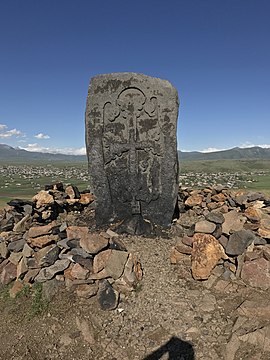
[(236, 153), (10, 154)]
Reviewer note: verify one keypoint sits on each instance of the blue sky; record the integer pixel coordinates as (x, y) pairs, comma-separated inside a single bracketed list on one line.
[(215, 52)]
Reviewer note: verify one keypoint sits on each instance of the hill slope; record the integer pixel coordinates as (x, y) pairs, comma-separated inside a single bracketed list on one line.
[(10, 154)]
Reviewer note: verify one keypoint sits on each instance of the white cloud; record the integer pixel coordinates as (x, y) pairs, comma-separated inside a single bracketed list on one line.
[(211, 149), (52, 150), (248, 144), (4, 133), (42, 136)]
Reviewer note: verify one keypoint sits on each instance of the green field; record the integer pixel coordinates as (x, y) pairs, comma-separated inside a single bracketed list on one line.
[(18, 180)]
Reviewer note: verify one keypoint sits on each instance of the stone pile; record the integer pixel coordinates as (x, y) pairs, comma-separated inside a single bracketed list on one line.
[(224, 233), (41, 241)]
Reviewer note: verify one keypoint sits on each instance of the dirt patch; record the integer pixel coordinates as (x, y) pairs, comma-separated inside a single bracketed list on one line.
[(169, 316)]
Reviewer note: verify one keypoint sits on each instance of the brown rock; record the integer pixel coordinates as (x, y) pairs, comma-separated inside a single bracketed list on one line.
[(15, 258), (8, 273), (206, 253), (30, 275), (266, 252), (187, 240), (100, 260), (72, 191), (256, 273), (176, 257), (234, 221), (264, 227), (36, 231), (21, 268), (77, 232), (43, 198), (116, 263), (93, 243), (264, 233), (205, 226), (219, 198), (3, 250), (27, 251), (182, 248), (253, 214), (86, 198), (131, 274), (78, 272), (42, 241), (194, 200), (255, 309), (16, 288)]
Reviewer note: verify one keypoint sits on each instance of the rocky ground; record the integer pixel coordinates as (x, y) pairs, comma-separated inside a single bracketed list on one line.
[(177, 310)]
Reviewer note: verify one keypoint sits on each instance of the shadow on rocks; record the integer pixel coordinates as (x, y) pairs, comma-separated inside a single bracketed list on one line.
[(175, 348)]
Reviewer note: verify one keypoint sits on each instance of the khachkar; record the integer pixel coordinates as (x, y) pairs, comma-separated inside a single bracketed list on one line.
[(131, 145)]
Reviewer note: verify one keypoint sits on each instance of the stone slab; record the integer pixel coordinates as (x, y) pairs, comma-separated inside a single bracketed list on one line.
[(131, 146)]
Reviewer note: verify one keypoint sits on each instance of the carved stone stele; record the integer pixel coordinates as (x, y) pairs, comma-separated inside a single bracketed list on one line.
[(131, 145)]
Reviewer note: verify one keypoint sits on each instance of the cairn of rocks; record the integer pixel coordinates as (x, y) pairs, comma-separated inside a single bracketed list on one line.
[(48, 240), (225, 234)]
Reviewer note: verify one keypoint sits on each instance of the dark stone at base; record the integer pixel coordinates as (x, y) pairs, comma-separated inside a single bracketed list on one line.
[(135, 225), (107, 296)]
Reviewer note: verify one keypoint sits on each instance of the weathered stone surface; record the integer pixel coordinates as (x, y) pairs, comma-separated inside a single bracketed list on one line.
[(36, 231), (234, 221), (86, 198), (21, 268), (42, 241), (116, 263), (259, 338), (16, 245), (256, 273), (100, 260), (15, 289), (8, 273), (194, 200), (3, 250), (73, 192), (78, 272), (50, 257), (131, 146), (205, 226), (264, 229), (215, 217), (27, 251), (107, 296), (176, 257), (49, 272), (93, 243), (15, 257), (206, 253), (239, 241), (183, 248), (43, 198), (255, 309)]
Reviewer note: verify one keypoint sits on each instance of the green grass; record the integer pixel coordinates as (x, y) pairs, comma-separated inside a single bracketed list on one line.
[(30, 299)]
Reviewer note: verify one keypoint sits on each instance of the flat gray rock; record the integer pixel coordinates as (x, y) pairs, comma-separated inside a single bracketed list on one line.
[(131, 146)]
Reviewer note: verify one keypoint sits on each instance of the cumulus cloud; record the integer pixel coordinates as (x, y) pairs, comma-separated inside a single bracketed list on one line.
[(42, 136), (5, 133), (52, 150)]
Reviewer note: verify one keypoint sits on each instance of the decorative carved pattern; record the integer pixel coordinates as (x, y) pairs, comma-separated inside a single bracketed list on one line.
[(132, 148)]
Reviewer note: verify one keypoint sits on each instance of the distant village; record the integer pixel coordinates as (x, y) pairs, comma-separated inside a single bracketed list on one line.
[(36, 175)]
